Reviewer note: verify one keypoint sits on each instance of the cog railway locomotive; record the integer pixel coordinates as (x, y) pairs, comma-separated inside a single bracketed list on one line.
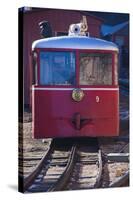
[(75, 91)]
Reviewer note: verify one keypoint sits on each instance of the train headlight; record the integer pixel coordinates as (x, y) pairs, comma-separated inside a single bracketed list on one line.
[(74, 29), (77, 94)]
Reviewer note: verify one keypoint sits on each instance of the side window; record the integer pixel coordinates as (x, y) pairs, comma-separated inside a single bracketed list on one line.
[(34, 69), (116, 68), (95, 69)]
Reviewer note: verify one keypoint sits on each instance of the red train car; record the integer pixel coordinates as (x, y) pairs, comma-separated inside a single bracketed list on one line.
[(75, 91)]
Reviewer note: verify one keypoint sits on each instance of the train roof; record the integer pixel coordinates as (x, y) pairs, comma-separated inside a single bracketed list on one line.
[(74, 42)]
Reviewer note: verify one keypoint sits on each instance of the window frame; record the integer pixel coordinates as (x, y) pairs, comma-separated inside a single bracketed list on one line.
[(77, 66), (34, 58), (116, 68)]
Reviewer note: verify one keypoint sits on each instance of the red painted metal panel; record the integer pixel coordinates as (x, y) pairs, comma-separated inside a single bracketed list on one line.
[(54, 112)]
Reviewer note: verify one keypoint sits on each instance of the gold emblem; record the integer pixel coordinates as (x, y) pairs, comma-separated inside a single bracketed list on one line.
[(77, 94)]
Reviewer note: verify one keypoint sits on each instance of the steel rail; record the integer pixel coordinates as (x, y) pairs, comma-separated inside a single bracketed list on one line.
[(62, 181), (117, 157), (66, 177), (100, 168), (120, 181), (123, 179), (123, 148), (29, 179)]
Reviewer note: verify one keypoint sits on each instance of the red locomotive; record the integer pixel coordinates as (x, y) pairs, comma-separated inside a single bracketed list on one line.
[(75, 91)]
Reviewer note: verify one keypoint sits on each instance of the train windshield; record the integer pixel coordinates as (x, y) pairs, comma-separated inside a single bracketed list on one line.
[(95, 69), (57, 68)]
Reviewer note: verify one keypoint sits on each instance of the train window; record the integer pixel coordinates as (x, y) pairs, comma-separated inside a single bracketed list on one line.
[(34, 64), (116, 69), (95, 69), (57, 68)]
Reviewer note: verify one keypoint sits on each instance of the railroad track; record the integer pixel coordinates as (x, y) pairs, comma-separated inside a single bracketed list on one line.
[(60, 163), (116, 162), (70, 165), (87, 171), (53, 169)]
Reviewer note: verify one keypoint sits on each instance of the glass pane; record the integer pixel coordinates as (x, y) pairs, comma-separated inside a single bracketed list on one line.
[(95, 69), (57, 68), (34, 64), (116, 69)]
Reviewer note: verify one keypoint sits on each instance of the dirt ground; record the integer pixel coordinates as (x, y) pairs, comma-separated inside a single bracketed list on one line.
[(32, 149)]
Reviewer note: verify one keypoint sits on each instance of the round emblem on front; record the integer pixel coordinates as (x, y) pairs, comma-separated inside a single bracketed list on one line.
[(77, 94)]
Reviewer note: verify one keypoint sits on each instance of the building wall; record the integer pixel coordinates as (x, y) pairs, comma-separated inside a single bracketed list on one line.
[(123, 35), (60, 21)]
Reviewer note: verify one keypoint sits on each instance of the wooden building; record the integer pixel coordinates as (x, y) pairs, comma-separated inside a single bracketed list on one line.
[(59, 21), (119, 34)]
